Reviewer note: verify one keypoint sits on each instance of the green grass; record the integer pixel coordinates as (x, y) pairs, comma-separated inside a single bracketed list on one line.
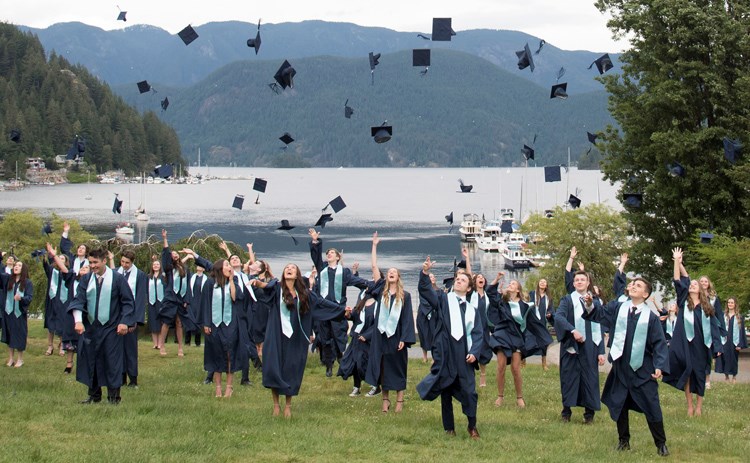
[(173, 417)]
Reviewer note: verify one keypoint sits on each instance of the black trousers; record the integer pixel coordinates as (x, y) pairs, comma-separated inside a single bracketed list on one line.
[(446, 407), (587, 412), (95, 391), (357, 379), (623, 426)]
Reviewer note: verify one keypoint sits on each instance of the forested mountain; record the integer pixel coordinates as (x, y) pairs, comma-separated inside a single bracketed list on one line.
[(50, 101), (464, 112), (145, 52)]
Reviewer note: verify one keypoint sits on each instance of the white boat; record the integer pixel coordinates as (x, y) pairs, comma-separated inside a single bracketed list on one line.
[(471, 227), (515, 257), (491, 239), (125, 229), (140, 212)]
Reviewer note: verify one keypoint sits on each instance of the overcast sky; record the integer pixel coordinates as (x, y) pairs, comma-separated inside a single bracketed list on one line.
[(566, 24)]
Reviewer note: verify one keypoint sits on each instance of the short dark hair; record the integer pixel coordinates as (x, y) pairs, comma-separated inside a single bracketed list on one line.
[(98, 253), (645, 282), (129, 255), (582, 272)]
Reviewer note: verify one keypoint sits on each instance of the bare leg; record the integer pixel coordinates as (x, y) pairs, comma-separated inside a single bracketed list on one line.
[(19, 362), (162, 338), (424, 356), (288, 407), (228, 391), (689, 398), (544, 363), (50, 341), (155, 339), (259, 346), (698, 406), (386, 401), (217, 382), (179, 334), (399, 401), (515, 368), (276, 406), (10, 357), (482, 375), (502, 362)]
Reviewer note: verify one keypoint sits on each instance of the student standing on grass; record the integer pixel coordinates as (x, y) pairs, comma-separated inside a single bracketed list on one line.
[(733, 342), (293, 306), (16, 295), (543, 310), (423, 323), (354, 361), (477, 296), (639, 356), (457, 341), (54, 301), (103, 310), (581, 348), (157, 281), (708, 288), (174, 305), (66, 323), (393, 335), (695, 338)]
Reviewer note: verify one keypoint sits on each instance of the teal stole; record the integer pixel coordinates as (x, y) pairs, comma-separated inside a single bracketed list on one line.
[(732, 323), (103, 297), (639, 337), (78, 263), (338, 283), (459, 329), (515, 311), (11, 305), (361, 324), (182, 281), (221, 305), (689, 319), (388, 317), (56, 285), (132, 277), (155, 290), (286, 317), (475, 298), (670, 325), (580, 322)]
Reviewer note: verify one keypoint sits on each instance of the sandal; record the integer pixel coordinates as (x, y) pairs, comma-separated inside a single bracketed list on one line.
[(18, 364), (499, 401), (218, 391), (180, 353), (49, 351), (399, 406), (228, 392), (520, 402), (9, 363), (386, 407), (68, 368)]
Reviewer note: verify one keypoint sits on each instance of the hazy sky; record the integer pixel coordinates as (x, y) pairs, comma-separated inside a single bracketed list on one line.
[(566, 24)]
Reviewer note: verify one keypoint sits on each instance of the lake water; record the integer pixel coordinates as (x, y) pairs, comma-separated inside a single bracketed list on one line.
[(406, 206)]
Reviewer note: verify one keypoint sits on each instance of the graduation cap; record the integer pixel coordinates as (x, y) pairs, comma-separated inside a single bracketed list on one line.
[(117, 206), (76, 149), (255, 43), (260, 185), (676, 169), (188, 35), (442, 30), (325, 218), (449, 219), (381, 133), (706, 238), (348, 111), (163, 170), (552, 174), (285, 75), (633, 200), (15, 135), (525, 59), (336, 204), (559, 91), (238, 201), (373, 57), (732, 149), (143, 86), (164, 104), (47, 228), (528, 152), (420, 57), (121, 16), (286, 138), (448, 282), (286, 227), (592, 137), (603, 63), (464, 188), (574, 201)]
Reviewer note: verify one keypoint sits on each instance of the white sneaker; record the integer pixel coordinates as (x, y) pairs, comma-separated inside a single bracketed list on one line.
[(355, 392), (373, 392)]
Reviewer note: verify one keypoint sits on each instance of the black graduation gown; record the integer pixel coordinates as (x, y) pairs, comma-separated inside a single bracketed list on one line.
[(284, 359), (194, 297), (333, 332), (224, 340), (449, 355), (544, 314), (15, 328), (423, 326), (174, 304), (69, 335), (100, 349), (622, 380), (579, 371), (690, 359), (53, 308), (387, 365), (507, 336), (728, 361), (130, 341), (357, 352), (483, 307), (259, 321), (154, 322)]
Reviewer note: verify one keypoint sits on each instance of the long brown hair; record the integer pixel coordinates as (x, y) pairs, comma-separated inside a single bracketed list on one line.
[(399, 290), (22, 278), (711, 289), (265, 271), (705, 304), (737, 316), (537, 290), (177, 263), (300, 286), (521, 295), (217, 273)]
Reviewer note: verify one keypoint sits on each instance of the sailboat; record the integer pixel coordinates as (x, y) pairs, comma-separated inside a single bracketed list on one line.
[(88, 196), (140, 213)]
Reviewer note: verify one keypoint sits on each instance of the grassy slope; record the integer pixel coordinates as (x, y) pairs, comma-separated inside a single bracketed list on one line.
[(173, 417)]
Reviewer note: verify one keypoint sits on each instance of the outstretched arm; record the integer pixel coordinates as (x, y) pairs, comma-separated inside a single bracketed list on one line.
[(465, 254), (58, 260), (316, 249), (374, 257), (223, 246)]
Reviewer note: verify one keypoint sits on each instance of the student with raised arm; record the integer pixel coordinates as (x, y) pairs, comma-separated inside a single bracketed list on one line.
[(477, 296), (620, 285), (55, 301), (581, 348), (639, 356), (66, 323), (544, 312), (16, 295), (393, 335), (457, 342), (174, 305), (695, 338)]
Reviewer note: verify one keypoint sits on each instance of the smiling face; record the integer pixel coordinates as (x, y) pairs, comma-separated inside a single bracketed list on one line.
[(156, 266), (638, 290), (542, 284), (581, 283), (126, 263), (227, 269), (290, 272), (10, 261), (81, 251), (694, 287), (514, 288), (704, 283), (175, 256), (235, 261), (731, 304), (480, 281), (333, 257), (97, 265)]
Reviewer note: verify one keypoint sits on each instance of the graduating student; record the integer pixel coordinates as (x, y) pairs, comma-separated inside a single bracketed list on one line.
[(16, 295), (669, 321), (733, 342), (103, 310), (456, 344), (66, 322), (639, 356), (194, 297), (55, 301), (222, 303), (708, 287), (156, 284), (543, 311), (10, 261), (66, 247), (695, 339), (260, 312), (394, 333), (423, 323), (138, 284), (478, 297), (293, 306), (354, 361), (581, 349), (174, 305), (331, 284)]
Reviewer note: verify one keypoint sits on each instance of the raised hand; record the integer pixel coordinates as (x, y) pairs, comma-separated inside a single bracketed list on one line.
[(375, 239), (427, 265), (573, 252), (314, 235), (50, 250), (581, 267), (624, 258), (355, 267), (677, 254), (164, 233), (223, 245), (66, 227)]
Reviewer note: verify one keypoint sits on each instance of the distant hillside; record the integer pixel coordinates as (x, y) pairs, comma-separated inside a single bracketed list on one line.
[(464, 112), (146, 52), (52, 101)]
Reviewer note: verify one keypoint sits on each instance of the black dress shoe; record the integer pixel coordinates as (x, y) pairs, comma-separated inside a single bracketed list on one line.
[(623, 445), (663, 452), (565, 419), (114, 400), (329, 371), (450, 432), (208, 381), (245, 382), (90, 400), (68, 370), (588, 420)]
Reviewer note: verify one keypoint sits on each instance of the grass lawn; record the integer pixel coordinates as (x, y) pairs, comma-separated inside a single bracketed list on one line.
[(173, 417)]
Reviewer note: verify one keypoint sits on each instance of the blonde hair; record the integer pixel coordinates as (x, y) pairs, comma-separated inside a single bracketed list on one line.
[(399, 291), (521, 294)]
